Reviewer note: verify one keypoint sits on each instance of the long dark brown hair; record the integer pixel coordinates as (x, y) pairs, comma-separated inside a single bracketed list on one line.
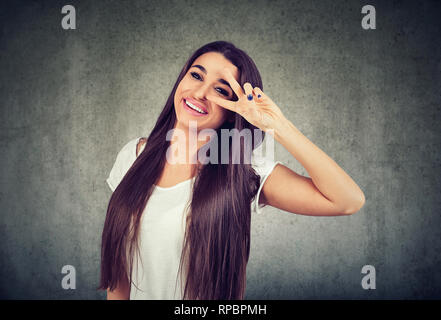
[(217, 236)]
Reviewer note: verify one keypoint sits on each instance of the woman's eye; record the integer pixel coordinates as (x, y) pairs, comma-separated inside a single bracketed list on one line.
[(196, 75), (222, 91)]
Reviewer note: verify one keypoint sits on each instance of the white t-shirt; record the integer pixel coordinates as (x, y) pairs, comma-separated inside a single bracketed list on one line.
[(162, 228)]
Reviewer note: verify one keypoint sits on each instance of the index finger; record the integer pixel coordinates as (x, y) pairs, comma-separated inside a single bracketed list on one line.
[(233, 83), (227, 104)]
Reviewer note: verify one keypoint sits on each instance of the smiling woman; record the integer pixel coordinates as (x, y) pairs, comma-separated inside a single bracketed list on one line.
[(204, 77), (190, 222)]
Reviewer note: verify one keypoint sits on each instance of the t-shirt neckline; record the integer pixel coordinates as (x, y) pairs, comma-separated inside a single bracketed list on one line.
[(175, 186)]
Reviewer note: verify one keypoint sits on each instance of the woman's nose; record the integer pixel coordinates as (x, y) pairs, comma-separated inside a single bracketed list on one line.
[(201, 91)]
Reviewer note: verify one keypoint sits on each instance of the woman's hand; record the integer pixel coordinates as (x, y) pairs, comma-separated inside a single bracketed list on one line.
[(328, 191), (260, 111)]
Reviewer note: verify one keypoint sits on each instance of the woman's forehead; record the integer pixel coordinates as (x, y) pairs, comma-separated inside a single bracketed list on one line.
[(215, 62)]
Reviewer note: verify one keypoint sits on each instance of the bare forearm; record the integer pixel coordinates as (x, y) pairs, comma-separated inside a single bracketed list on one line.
[(332, 181)]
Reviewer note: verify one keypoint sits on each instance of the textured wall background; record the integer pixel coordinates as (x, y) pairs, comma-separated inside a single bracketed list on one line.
[(70, 99)]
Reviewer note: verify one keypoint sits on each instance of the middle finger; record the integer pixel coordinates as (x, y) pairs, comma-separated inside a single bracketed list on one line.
[(248, 90), (233, 83)]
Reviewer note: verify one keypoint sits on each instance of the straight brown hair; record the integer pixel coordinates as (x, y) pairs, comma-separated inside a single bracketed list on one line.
[(217, 236)]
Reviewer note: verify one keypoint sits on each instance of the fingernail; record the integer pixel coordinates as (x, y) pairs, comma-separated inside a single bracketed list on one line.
[(259, 95), (250, 97)]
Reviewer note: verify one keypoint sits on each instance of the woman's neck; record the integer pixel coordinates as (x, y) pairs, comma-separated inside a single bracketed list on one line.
[(184, 145)]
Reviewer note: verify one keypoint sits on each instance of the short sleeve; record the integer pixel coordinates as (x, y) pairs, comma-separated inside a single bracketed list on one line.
[(263, 167), (124, 160)]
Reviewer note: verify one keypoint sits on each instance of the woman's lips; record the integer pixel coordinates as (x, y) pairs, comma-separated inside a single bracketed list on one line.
[(191, 111), (194, 102)]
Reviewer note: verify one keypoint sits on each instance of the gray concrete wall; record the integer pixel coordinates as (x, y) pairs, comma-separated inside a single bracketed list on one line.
[(70, 99)]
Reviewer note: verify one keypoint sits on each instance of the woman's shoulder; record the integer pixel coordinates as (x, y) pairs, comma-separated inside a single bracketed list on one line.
[(129, 150), (262, 163), (140, 145), (124, 160), (133, 148)]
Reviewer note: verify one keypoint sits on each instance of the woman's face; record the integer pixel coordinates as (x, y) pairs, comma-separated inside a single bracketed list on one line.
[(204, 78)]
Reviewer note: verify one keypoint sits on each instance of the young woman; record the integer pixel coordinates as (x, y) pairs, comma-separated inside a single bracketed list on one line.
[(189, 221)]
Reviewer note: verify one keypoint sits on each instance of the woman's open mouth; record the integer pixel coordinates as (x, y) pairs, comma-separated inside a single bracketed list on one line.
[(193, 109)]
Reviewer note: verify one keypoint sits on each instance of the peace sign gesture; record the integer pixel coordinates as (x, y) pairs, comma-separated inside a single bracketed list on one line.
[(253, 104)]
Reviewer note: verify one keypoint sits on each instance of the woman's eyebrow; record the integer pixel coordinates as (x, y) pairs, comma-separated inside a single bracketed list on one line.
[(200, 67), (205, 71), (224, 82)]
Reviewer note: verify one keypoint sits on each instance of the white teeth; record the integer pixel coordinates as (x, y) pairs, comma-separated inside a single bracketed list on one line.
[(194, 107)]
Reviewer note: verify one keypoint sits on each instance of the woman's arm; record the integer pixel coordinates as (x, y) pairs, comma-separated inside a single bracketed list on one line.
[(121, 292), (329, 191)]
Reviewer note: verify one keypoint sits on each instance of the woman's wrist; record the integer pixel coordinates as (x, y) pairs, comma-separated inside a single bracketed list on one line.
[(284, 129)]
